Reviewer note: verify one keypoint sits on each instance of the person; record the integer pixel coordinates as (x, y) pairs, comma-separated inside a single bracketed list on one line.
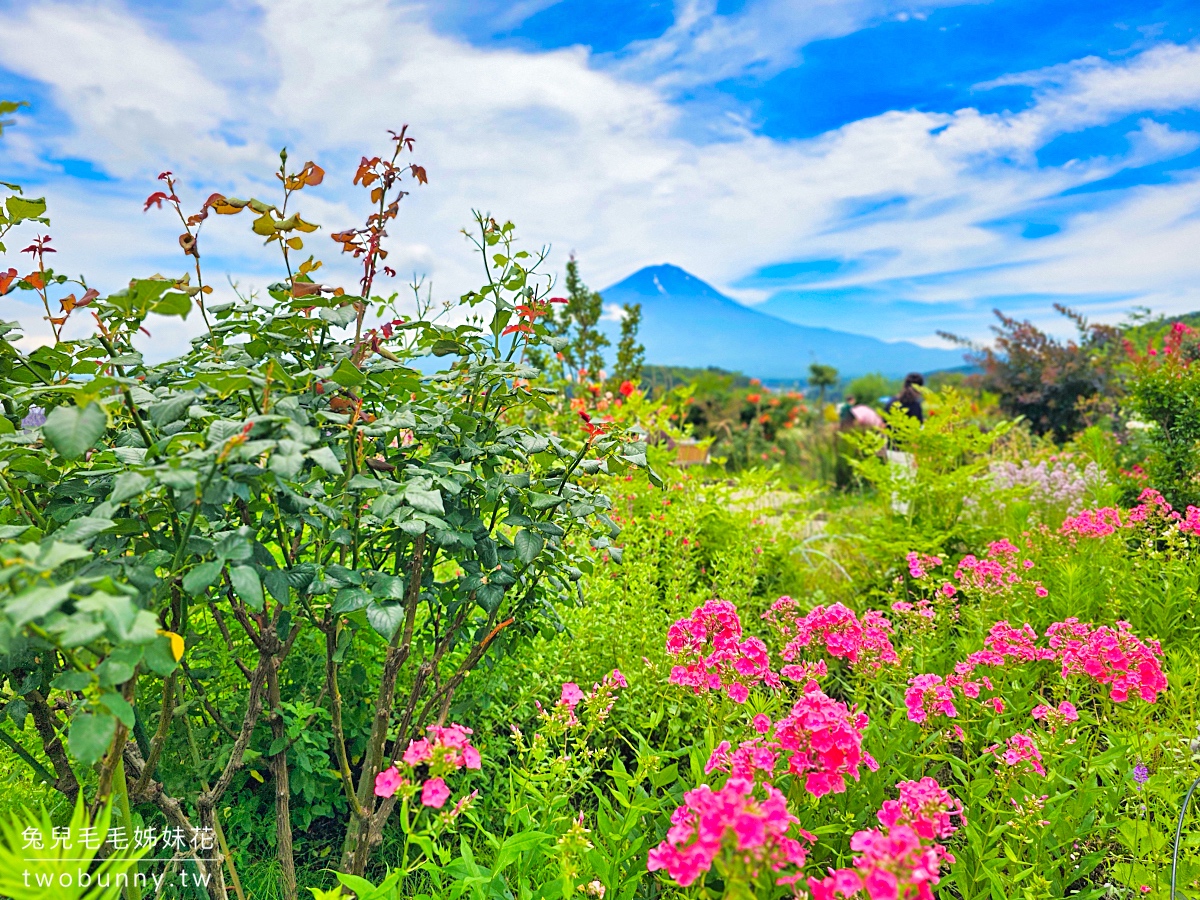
[(903, 464), (910, 398)]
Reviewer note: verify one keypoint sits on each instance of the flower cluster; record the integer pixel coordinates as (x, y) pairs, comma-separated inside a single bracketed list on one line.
[(1020, 750), (1056, 716), (1152, 513), (445, 750), (1111, 656), (903, 859), (822, 740), (865, 643), (999, 572), (714, 655), (749, 827), (1050, 482)]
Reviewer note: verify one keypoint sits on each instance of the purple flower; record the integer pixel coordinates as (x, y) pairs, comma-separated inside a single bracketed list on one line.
[(1141, 775), (35, 419)]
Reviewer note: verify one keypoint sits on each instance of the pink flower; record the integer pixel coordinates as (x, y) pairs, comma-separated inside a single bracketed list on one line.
[(927, 695), (864, 643), (714, 657), (471, 758), (925, 806), (762, 723), (1113, 657), (388, 782), (737, 823), (1041, 591), (822, 740), (571, 695), (435, 793), (1022, 751), (418, 752)]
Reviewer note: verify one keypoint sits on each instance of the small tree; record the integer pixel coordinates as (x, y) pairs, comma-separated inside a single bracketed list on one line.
[(584, 350), (1052, 383), (822, 377), (631, 355)]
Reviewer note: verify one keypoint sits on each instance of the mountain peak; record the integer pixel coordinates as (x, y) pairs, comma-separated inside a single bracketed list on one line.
[(667, 280), (687, 322)]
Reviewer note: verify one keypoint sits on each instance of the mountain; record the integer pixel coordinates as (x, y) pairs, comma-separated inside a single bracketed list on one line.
[(686, 322)]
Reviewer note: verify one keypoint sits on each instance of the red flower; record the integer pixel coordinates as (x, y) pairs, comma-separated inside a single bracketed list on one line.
[(626, 388), (754, 398)]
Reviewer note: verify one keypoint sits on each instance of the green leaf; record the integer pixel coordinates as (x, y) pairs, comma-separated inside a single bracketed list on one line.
[(528, 545), (173, 303), (20, 208), (425, 501), (91, 734), (340, 316), (36, 603), (118, 706), (198, 580), (128, 485), (73, 430), (159, 656), (248, 586), (325, 458), (543, 501), (276, 583), (350, 599), (72, 681), (79, 530), (385, 617), (347, 374)]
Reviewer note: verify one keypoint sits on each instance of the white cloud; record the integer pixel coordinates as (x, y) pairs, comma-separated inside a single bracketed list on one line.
[(585, 158), (760, 39)]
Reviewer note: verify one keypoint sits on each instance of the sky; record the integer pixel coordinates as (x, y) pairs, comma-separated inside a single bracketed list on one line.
[(890, 168)]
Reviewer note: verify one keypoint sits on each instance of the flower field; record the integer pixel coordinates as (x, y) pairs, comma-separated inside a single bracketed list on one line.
[(355, 599)]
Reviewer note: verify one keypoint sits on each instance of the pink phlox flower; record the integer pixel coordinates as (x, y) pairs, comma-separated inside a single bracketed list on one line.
[(1110, 656), (927, 696), (919, 564), (434, 793), (388, 782), (864, 642), (924, 806), (822, 739), (571, 695), (762, 723), (418, 752), (734, 820), (714, 657), (1021, 750)]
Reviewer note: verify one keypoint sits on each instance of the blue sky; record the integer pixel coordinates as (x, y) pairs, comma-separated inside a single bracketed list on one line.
[(892, 168)]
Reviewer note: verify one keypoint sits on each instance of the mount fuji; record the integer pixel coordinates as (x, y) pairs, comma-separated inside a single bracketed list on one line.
[(686, 322)]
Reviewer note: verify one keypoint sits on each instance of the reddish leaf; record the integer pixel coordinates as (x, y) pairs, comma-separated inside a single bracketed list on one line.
[(6, 279), (155, 199), (419, 173)]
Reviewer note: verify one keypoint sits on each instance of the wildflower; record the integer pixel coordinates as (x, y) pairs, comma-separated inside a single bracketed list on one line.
[(862, 642), (36, 418), (822, 739), (1113, 657), (1021, 751), (733, 664), (925, 806), (571, 695), (1141, 774), (734, 822), (435, 793), (388, 782), (926, 696)]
